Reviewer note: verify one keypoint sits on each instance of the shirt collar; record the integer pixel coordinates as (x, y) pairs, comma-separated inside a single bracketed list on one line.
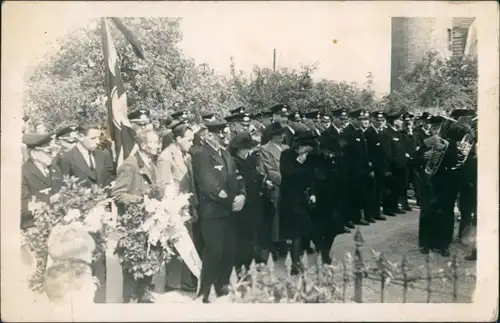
[(145, 158), (218, 150), (335, 127), (41, 167), (83, 150)]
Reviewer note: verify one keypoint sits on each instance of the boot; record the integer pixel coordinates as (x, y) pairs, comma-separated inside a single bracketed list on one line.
[(472, 256)]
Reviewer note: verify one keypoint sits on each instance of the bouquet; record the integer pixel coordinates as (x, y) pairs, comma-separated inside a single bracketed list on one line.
[(147, 231), (74, 203)]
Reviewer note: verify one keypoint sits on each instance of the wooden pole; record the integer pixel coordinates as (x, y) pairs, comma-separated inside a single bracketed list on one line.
[(274, 59)]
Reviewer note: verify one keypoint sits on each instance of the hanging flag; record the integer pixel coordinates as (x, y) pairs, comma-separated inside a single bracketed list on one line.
[(120, 129)]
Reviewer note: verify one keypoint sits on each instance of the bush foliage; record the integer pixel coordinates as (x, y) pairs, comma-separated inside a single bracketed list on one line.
[(68, 86)]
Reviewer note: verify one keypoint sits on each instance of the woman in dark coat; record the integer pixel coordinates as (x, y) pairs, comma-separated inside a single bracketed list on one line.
[(249, 221), (297, 193)]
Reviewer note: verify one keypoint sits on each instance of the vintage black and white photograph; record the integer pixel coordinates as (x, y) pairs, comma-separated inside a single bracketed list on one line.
[(267, 157)]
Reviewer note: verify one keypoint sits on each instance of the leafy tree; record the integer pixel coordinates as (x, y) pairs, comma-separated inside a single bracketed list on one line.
[(68, 86), (437, 83)]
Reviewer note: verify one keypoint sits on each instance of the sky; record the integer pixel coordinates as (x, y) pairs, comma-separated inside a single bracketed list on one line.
[(345, 49), (300, 35)]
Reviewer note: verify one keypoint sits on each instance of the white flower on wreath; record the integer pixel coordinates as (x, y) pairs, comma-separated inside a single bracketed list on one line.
[(93, 220), (72, 215), (35, 205)]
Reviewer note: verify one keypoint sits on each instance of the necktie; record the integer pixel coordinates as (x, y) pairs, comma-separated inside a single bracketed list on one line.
[(91, 162)]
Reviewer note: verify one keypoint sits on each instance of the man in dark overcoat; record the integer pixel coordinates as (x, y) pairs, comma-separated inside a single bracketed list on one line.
[(395, 150), (220, 197), (359, 167), (410, 139), (379, 165), (333, 145)]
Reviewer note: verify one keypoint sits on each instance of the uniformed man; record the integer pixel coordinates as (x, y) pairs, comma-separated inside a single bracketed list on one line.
[(377, 157), (334, 145), (420, 134), (279, 114), (396, 154), (181, 114), (410, 140), (238, 110), (38, 173), (140, 118), (239, 122), (220, 196), (359, 168), (311, 119), (66, 137), (444, 185), (467, 195), (208, 117), (427, 201)]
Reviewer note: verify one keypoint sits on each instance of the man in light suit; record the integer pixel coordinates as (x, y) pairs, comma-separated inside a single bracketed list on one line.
[(175, 168), (270, 156), (136, 176), (92, 167)]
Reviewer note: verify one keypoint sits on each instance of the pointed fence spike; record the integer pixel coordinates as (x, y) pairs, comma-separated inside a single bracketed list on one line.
[(212, 294), (270, 263), (305, 259), (319, 260), (288, 262), (358, 237), (233, 279), (404, 267), (253, 266)]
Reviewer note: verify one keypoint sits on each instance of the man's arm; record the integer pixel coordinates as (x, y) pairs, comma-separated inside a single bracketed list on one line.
[(269, 165), (25, 197), (206, 182), (164, 169), (109, 168), (123, 183)]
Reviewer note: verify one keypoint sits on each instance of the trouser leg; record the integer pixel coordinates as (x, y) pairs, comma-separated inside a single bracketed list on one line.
[(212, 257)]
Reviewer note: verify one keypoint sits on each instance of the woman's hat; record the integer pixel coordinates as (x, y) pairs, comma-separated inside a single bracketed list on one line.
[(242, 140), (304, 137), (276, 128)]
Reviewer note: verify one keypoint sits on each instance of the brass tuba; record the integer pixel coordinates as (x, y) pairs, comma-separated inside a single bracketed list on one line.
[(439, 146), (465, 145)]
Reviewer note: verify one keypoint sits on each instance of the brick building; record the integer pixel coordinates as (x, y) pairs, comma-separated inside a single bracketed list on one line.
[(413, 37)]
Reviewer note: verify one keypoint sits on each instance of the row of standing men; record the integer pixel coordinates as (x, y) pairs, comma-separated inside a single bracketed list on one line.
[(303, 177)]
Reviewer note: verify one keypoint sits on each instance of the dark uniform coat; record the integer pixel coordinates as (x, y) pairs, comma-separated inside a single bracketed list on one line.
[(358, 168), (394, 147), (216, 180), (251, 216), (36, 184), (377, 157), (330, 190), (297, 184)]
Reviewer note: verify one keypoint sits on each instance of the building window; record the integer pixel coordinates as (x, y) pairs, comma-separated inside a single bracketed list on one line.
[(450, 39)]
